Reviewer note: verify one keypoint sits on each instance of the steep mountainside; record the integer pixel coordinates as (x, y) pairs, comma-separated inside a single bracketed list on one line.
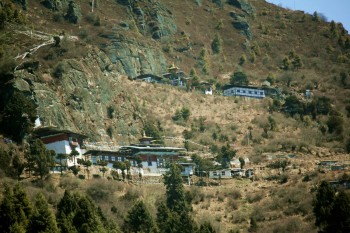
[(76, 61)]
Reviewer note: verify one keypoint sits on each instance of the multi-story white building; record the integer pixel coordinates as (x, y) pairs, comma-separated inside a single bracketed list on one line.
[(62, 142)]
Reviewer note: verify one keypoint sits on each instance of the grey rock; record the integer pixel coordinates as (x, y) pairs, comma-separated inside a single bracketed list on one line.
[(55, 5), (154, 19), (241, 23), (80, 100), (133, 58), (243, 5)]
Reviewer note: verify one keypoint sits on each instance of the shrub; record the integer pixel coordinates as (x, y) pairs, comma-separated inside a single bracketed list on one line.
[(196, 194), (283, 179), (232, 204), (132, 194), (254, 197), (59, 70), (97, 193), (216, 44)]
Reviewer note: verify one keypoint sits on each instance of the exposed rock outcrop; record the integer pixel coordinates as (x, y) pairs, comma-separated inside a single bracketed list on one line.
[(243, 5), (241, 23), (81, 97), (133, 58), (55, 5), (153, 18)]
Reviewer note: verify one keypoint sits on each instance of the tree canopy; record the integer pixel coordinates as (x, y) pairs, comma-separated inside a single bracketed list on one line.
[(239, 79)]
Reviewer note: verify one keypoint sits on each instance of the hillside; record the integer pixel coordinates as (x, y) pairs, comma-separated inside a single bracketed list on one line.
[(75, 66), (71, 81)]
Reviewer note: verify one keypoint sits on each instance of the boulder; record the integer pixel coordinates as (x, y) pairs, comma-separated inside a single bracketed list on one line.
[(240, 23), (243, 5), (55, 5)]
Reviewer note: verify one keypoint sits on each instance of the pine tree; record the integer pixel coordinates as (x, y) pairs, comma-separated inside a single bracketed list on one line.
[(323, 204), (139, 219), (18, 166), (175, 215), (86, 218), (175, 195), (8, 215), (340, 216), (43, 219), (18, 116), (66, 210), (42, 158), (15, 210)]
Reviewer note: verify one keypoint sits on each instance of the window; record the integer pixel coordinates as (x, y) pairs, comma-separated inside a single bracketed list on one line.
[(250, 92), (106, 158), (243, 91), (238, 90), (119, 159), (113, 158), (215, 173), (256, 92), (223, 173), (261, 92)]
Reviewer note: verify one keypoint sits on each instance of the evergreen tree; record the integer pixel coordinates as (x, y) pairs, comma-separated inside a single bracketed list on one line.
[(175, 195), (5, 161), (61, 157), (66, 210), (323, 204), (73, 154), (43, 219), (175, 215), (121, 166), (18, 116), (139, 219), (18, 166), (216, 44), (332, 211), (239, 79), (15, 210), (86, 218), (8, 215), (340, 217), (42, 158), (206, 228)]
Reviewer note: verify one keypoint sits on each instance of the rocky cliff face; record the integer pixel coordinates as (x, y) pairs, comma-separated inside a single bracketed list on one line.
[(87, 97), (132, 57)]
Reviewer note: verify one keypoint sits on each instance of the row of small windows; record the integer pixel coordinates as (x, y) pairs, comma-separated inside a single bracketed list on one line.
[(112, 158), (248, 92), (217, 173)]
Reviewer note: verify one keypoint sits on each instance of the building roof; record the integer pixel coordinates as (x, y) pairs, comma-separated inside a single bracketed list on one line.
[(142, 76), (107, 152), (160, 153), (248, 87), (49, 131), (153, 148)]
